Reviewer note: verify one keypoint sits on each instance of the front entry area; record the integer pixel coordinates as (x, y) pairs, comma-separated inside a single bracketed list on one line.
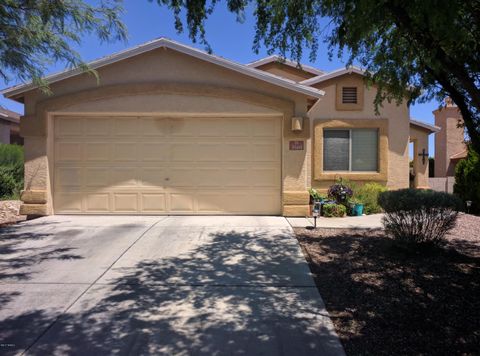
[(167, 165)]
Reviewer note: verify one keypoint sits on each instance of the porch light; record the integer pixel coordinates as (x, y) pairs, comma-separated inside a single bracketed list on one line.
[(297, 123)]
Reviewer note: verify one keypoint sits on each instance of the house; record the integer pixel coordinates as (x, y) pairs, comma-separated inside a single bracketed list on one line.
[(173, 130), (450, 145), (9, 127)]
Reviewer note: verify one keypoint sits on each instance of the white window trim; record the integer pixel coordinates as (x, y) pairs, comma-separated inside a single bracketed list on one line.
[(350, 150)]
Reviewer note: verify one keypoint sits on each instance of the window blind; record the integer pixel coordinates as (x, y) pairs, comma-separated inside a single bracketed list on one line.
[(365, 150), (336, 147)]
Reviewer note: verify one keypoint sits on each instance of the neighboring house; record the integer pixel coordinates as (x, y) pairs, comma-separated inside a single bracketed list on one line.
[(10, 127), (450, 145), (174, 130)]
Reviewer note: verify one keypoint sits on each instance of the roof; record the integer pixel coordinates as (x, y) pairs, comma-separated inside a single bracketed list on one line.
[(278, 59), (9, 115), (460, 155), (333, 74), (167, 43), (425, 126)]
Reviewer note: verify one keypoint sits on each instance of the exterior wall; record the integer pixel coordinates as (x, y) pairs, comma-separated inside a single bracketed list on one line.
[(160, 81), (393, 146), (420, 139), (286, 71), (4, 132), (448, 141)]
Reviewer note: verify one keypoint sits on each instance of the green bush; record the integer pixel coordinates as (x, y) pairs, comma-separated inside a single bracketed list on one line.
[(467, 180), (414, 216), (333, 210), (368, 195), (11, 171)]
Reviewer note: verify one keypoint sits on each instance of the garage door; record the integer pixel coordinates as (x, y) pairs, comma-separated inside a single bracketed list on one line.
[(150, 165)]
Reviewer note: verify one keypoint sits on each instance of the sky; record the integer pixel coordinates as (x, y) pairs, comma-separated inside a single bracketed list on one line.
[(145, 20)]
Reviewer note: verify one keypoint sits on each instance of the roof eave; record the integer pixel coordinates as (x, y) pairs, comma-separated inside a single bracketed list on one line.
[(15, 91)]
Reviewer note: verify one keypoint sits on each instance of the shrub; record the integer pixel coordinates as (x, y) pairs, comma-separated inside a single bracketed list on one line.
[(467, 180), (333, 210), (11, 171), (415, 216), (368, 195)]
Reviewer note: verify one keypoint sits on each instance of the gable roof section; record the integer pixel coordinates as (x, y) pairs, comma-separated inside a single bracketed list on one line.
[(9, 115), (333, 74), (425, 126), (278, 59), (167, 43)]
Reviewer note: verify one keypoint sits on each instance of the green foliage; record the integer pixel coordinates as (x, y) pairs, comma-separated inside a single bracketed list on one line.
[(368, 194), (37, 34), (333, 210), (11, 171), (315, 195), (431, 48), (422, 217), (467, 180)]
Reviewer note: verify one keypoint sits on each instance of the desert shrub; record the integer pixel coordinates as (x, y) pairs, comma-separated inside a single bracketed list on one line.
[(333, 210), (368, 195), (467, 180), (414, 216), (11, 171)]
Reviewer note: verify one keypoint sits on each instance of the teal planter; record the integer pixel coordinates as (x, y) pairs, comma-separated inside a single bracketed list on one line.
[(358, 210)]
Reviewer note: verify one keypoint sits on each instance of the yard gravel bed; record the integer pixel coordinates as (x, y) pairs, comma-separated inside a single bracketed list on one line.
[(385, 301)]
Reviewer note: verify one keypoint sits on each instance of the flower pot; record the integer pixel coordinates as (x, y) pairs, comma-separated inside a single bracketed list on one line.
[(357, 210)]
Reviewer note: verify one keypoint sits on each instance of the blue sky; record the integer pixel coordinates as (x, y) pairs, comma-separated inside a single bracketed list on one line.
[(145, 21)]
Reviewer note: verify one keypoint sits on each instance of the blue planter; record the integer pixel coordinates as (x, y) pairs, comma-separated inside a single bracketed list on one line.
[(358, 210)]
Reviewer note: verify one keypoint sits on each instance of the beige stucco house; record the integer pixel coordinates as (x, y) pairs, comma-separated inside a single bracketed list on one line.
[(170, 129), (9, 127)]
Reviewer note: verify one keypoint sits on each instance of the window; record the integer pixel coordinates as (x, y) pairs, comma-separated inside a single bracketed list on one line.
[(350, 150), (349, 95)]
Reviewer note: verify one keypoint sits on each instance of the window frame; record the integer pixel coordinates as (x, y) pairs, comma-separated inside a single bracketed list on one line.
[(350, 149)]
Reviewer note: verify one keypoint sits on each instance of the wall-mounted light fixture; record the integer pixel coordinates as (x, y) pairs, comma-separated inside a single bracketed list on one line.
[(297, 123)]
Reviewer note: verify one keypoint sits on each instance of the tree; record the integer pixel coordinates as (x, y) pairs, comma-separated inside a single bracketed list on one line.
[(467, 179), (413, 50), (38, 33)]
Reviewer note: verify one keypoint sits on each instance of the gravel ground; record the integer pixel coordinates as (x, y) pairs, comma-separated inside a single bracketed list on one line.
[(9, 212), (384, 301)]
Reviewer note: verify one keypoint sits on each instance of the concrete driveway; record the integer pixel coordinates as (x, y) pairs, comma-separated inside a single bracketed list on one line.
[(159, 285)]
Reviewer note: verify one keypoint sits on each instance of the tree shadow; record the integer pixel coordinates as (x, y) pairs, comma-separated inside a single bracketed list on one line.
[(236, 293), (385, 300)]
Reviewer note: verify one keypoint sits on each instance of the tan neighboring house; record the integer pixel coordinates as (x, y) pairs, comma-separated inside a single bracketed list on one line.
[(174, 130), (10, 127)]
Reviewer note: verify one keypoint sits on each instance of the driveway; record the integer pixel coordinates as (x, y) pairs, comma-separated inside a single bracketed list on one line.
[(159, 285)]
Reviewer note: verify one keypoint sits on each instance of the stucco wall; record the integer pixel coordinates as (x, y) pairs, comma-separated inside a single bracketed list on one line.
[(420, 138), (160, 81), (448, 141), (398, 128), (4, 132)]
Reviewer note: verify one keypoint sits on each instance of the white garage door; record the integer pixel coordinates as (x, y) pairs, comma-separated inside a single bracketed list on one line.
[(149, 165)]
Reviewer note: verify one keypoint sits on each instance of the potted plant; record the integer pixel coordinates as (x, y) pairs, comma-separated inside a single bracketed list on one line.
[(356, 207), (340, 192)]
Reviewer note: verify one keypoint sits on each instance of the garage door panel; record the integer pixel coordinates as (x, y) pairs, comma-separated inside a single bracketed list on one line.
[(97, 202), (96, 151), (69, 151), (74, 126), (156, 166), (153, 202), (125, 202), (97, 126), (125, 152)]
